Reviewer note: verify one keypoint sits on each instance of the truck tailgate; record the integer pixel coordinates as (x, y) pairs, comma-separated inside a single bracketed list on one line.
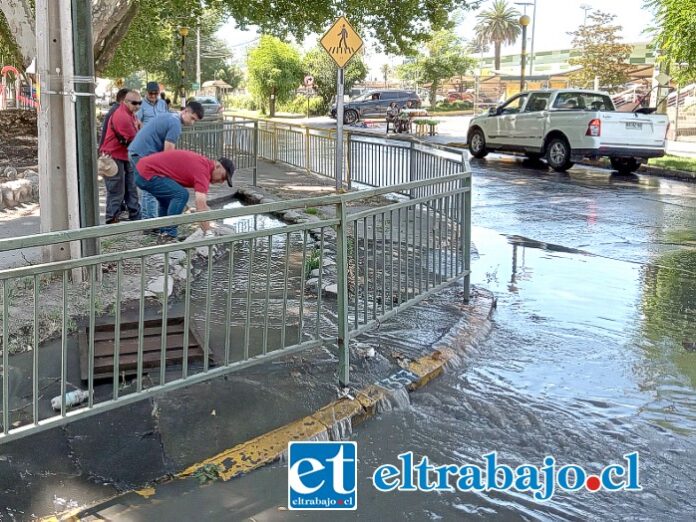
[(628, 129)]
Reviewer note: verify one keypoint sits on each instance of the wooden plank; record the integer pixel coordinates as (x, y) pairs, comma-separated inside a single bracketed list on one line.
[(149, 359), (129, 331), (152, 343)]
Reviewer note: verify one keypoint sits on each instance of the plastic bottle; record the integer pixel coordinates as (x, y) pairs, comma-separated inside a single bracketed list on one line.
[(72, 398)]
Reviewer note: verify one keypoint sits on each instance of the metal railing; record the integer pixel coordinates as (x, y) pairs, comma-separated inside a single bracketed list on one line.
[(242, 302), (237, 140)]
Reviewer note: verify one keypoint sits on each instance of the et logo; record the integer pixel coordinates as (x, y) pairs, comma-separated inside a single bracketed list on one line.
[(322, 475)]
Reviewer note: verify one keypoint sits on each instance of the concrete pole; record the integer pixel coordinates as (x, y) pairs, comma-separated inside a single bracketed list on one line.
[(70, 134), (52, 163)]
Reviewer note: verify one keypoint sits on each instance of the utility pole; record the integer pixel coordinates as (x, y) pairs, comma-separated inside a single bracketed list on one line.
[(198, 55), (57, 162)]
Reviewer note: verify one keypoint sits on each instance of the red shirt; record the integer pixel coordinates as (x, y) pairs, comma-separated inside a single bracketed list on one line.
[(123, 121), (187, 168)]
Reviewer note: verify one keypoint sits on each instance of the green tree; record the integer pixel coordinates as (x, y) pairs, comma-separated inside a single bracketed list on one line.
[(497, 26), (444, 57), (274, 71), (600, 53), (675, 36), (232, 75), (399, 27), (320, 65), (386, 71)]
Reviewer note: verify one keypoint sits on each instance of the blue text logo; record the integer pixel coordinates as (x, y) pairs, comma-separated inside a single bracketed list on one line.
[(322, 475)]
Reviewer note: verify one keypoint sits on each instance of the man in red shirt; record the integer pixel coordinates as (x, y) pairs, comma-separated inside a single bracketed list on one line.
[(120, 131), (166, 175)]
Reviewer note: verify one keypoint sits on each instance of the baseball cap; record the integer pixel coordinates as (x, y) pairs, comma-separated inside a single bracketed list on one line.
[(152, 87), (229, 168)]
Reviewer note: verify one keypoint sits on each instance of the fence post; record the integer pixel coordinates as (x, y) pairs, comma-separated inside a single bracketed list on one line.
[(411, 165), (307, 155), (343, 340), (349, 151), (256, 152), (465, 214), (274, 144)]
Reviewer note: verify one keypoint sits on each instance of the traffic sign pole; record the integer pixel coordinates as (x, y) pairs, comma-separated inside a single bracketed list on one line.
[(342, 43), (339, 129)]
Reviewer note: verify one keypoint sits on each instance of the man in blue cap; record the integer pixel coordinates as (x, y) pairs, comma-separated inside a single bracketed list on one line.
[(152, 104)]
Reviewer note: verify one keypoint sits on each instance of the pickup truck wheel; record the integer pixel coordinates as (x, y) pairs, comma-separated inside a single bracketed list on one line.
[(558, 155), (477, 144), (625, 166), (350, 117)]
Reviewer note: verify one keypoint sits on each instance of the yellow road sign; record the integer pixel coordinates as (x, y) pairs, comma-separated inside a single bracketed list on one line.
[(341, 42)]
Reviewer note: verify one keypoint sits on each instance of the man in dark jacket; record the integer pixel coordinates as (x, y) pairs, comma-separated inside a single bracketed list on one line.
[(120, 96)]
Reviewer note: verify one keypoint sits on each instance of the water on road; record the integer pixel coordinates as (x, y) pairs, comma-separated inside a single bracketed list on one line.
[(592, 356)]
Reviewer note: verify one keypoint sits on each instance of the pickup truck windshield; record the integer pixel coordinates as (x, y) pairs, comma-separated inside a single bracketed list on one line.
[(583, 101)]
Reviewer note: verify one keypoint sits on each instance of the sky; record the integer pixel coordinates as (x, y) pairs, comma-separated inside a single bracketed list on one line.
[(554, 19)]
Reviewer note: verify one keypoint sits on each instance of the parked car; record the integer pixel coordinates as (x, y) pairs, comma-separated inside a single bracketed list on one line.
[(566, 125), (375, 103), (212, 108)]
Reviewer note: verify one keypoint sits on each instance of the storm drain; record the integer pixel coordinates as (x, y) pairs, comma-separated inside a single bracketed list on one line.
[(104, 344)]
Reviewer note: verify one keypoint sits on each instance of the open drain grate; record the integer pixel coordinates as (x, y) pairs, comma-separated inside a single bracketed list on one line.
[(129, 343)]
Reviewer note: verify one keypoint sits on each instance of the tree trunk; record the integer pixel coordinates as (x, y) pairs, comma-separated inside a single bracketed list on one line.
[(433, 94), (20, 20), (497, 55), (272, 105), (110, 22)]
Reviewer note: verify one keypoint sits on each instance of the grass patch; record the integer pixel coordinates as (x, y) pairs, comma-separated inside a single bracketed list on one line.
[(311, 211), (312, 261), (674, 163), (208, 473)]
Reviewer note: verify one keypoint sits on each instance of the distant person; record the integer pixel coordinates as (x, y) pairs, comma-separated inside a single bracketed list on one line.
[(120, 131), (166, 175), (120, 96), (153, 104), (160, 134)]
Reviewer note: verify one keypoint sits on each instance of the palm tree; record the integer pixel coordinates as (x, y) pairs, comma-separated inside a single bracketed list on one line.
[(386, 70), (498, 25)]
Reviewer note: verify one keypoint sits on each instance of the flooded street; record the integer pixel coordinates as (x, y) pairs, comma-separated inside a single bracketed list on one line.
[(590, 358)]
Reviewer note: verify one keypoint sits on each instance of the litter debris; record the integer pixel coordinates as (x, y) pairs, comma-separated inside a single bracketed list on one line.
[(72, 398)]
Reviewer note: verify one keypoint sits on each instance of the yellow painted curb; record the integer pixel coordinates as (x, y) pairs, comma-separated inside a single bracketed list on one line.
[(271, 446)]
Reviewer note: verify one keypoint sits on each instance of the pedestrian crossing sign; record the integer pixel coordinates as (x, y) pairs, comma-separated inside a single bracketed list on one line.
[(341, 42)]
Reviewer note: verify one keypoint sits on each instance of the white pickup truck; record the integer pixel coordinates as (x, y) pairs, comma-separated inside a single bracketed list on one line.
[(567, 125)]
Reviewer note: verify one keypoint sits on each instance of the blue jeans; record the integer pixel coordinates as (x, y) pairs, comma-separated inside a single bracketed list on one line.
[(149, 208), (120, 188), (170, 196)]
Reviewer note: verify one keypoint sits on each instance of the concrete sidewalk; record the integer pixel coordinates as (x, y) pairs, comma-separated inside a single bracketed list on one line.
[(177, 434)]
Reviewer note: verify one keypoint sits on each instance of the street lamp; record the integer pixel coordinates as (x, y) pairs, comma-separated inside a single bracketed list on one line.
[(531, 54), (183, 32), (585, 8), (524, 22)]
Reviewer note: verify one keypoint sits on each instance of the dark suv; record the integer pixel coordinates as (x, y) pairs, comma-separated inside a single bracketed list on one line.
[(375, 103)]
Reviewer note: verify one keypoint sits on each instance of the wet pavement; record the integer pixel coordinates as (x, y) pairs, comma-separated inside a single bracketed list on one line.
[(591, 357)]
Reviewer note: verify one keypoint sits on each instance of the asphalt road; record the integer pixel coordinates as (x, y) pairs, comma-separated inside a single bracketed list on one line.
[(589, 360)]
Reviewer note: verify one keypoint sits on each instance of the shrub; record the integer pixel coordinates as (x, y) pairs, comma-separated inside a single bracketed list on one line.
[(240, 101), (298, 105), (456, 105)]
